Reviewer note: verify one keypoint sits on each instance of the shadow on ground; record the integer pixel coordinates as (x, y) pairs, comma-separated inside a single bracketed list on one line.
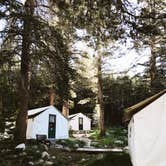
[(112, 159)]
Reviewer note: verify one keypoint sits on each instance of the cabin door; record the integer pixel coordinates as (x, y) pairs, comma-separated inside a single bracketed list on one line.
[(80, 123), (52, 126)]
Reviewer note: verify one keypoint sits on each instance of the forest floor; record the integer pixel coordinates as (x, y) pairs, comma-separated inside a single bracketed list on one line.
[(58, 157), (63, 152)]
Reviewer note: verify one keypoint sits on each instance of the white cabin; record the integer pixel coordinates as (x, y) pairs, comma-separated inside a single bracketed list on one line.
[(47, 121), (79, 122), (146, 131)]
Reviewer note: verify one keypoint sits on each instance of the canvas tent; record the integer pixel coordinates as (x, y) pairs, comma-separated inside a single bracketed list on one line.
[(146, 131), (47, 121), (79, 121)]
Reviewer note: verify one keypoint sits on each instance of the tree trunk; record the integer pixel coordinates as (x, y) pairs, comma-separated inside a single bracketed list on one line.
[(2, 123), (65, 108), (21, 122), (152, 68), (100, 95), (52, 97)]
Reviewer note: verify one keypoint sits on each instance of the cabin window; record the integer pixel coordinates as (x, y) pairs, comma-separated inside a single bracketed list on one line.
[(52, 126), (80, 121), (52, 119)]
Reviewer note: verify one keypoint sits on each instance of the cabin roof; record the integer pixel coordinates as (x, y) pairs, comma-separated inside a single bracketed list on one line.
[(129, 112), (35, 112), (74, 115)]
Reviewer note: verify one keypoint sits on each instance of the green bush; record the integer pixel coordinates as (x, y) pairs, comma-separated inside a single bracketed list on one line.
[(115, 137)]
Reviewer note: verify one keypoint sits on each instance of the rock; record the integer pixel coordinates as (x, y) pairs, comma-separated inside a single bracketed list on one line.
[(48, 163), (126, 149), (15, 156), (83, 159), (63, 141), (58, 146), (23, 154), (20, 146), (76, 145), (44, 147), (30, 163), (3, 150), (45, 155), (86, 146), (41, 161), (67, 149), (35, 147), (94, 143), (53, 157), (119, 142)]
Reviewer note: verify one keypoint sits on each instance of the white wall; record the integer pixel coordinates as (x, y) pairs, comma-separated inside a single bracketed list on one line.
[(74, 122), (131, 142), (150, 134), (40, 125), (29, 129)]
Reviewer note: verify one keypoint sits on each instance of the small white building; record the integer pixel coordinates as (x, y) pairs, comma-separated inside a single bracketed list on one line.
[(79, 122), (47, 121), (146, 131)]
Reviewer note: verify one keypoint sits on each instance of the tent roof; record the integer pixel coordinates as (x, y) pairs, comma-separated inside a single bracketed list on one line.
[(74, 115), (129, 112), (35, 112)]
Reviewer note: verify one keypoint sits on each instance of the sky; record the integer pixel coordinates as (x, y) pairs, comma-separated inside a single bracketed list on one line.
[(122, 59), (112, 64)]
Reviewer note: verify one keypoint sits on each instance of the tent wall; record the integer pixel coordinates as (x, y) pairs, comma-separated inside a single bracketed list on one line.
[(29, 132), (149, 137), (74, 122), (40, 125), (131, 141)]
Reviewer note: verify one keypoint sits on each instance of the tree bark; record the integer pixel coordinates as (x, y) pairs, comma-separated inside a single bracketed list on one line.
[(2, 125), (152, 69), (52, 97), (22, 117), (100, 95), (65, 108)]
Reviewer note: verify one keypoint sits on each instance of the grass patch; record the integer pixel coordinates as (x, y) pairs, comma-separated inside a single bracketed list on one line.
[(115, 137), (71, 143)]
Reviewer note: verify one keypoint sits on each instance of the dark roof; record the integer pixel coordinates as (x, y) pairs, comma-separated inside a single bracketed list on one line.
[(129, 112)]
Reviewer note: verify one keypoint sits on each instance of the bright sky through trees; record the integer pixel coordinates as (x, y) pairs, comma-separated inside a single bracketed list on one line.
[(126, 62)]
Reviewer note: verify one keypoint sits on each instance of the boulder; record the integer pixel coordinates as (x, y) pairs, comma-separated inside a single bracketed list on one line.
[(44, 147), (76, 145), (48, 163), (53, 157), (41, 161), (67, 149), (30, 163), (58, 146), (45, 155), (20, 147)]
